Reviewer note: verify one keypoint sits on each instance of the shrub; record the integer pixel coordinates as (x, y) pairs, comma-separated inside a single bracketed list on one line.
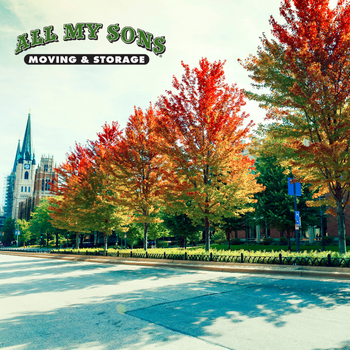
[(267, 241), (235, 241), (283, 241), (328, 240)]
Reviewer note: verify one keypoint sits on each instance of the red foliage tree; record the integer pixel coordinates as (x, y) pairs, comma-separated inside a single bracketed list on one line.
[(203, 139)]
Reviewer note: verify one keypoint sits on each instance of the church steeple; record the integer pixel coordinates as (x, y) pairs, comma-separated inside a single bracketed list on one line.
[(26, 152), (17, 155)]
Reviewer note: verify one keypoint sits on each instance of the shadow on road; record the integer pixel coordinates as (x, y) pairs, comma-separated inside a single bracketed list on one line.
[(62, 305)]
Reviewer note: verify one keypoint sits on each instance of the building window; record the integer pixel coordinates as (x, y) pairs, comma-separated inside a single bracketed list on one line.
[(25, 189), (46, 168), (47, 187), (28, 189), (26, 175), (42, 184), (22, 189)]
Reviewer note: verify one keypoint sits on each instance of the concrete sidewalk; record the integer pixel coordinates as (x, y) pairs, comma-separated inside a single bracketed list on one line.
[(268, 269)]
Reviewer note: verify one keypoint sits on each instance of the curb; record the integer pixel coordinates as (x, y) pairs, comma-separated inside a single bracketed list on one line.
[(290, 270)]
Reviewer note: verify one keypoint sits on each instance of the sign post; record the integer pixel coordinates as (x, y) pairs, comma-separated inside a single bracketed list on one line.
[(17, 233), (295, 190)]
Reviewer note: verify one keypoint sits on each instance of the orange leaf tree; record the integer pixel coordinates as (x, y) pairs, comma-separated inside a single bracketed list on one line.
[(307, 68), (134, 165), (65, 211), (85, 202), (202, 130)]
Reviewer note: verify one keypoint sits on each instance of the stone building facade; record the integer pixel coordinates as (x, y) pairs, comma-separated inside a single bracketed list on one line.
[(27, 184)]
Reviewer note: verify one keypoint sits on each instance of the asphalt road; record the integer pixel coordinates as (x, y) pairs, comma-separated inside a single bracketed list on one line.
[(56, 304)]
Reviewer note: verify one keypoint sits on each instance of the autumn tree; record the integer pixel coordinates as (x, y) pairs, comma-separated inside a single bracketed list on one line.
[(101, 211), (134, 165), (202, 127), (65, 207), (65, 216), (306, 69), (83, 185)]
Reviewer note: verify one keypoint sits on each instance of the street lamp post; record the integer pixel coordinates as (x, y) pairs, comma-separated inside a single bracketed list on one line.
[(17, 228), (41, 237)]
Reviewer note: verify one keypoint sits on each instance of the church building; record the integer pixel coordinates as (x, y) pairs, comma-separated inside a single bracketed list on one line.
[(26, 184), (24, 169)]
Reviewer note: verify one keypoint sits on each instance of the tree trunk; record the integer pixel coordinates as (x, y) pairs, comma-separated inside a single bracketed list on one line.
[(95, 239), (228, 235), (145, 227), (47, 240), (77, 240), (185, 242), (56, 240), (105, 242), (341, 228), (207, 234), (289, 243)]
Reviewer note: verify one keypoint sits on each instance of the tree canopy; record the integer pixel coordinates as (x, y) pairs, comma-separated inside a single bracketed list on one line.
[(203, 138), (306, 68)]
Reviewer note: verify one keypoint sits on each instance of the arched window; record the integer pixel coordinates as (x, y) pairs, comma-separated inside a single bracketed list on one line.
[(28, 189), (26, 175), (22, 189), (25, 189), (42, 184), (47, 187)]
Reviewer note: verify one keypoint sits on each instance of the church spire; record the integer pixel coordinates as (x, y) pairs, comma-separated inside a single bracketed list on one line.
[(26, 152), (17, 155)]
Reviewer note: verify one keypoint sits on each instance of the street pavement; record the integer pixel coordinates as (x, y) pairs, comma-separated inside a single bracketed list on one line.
[(61, 304)]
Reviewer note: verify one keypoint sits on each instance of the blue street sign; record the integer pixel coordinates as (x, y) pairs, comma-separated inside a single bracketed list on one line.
[(297, 218), (297, 186)]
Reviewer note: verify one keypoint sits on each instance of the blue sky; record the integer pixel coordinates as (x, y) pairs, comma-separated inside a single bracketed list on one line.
[(70, 103)]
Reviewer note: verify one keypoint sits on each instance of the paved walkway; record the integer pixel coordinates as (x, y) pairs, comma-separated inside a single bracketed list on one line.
[(285, 270)]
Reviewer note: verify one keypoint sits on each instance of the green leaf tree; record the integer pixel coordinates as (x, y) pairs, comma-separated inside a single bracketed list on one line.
[(274, 205), (41, 222), (23, 226), (183, 227), (9, 231)]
